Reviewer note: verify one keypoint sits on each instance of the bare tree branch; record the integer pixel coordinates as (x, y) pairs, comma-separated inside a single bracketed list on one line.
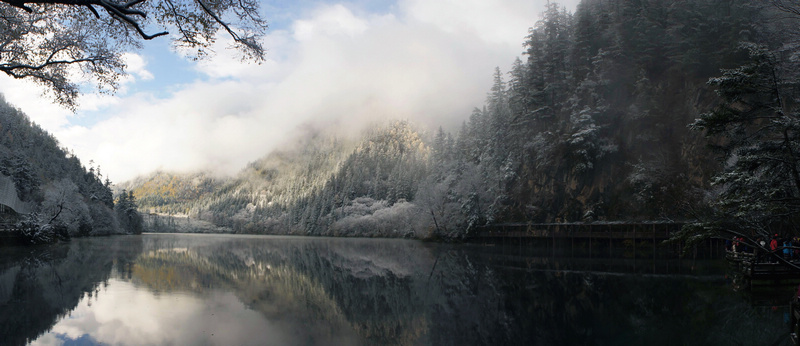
[(119, 11), (184, 32), (41, 38), (247, 41), (91, 8), (10, 68)]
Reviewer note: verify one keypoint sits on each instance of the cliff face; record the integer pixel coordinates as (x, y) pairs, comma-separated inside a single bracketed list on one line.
[(9, 198), (656, 165), (600, 110)]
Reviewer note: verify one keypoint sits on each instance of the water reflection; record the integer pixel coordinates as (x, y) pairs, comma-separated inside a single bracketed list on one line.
[(123, 314), (209, 289), (40, 285)]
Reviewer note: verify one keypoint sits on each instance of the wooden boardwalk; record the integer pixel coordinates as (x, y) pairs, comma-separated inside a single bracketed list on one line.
[(794, 321), (8, 236), (759, 271), (598, 238), (771, 274), (596, 230), (7, 228)]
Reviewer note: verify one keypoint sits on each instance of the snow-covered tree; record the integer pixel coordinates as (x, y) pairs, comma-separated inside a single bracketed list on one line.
[(48, 41), (22, 174), (127, 213), (63, 206), (757, 127)]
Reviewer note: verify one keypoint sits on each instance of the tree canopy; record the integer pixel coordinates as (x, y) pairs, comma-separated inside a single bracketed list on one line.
[(57, 43)]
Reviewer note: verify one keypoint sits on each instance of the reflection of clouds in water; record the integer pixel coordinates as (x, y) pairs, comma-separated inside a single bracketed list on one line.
[(254, 290), (121, 314)]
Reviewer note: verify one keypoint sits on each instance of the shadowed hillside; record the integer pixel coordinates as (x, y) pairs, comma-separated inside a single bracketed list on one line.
[(61, 197)]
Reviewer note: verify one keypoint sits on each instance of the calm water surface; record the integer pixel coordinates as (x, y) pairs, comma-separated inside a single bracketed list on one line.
[(253, 290)]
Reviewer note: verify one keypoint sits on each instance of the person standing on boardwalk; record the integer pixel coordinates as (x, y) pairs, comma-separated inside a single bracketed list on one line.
[(773, 246)]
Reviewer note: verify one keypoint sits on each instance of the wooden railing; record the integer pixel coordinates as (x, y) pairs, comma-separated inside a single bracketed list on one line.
[(763, 269), (7, 228), (620, 231)]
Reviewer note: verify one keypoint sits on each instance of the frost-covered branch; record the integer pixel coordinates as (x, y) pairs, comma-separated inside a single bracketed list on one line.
[(49, 40)]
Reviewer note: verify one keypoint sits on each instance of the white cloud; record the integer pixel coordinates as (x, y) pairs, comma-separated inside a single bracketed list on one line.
[(28, 96), (427, 61), (329, 21), (136, 65), (490, 21), (499, 21)]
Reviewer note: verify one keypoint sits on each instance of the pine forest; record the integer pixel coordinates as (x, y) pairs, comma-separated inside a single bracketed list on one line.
[(623, 111)]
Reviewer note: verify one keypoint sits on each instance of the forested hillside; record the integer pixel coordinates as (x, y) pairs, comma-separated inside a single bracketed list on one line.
[(302, 189), (595, 124), (65, 198)]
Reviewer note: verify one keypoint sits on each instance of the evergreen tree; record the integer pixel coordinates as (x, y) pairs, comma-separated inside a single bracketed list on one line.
[(499, 117), (21, 172), (127, 213), (757, 127)]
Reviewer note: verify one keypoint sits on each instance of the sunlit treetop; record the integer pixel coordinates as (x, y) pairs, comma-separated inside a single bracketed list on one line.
[(57, 43)]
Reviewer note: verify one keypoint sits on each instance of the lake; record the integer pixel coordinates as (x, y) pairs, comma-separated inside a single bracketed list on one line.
[(179, 289)]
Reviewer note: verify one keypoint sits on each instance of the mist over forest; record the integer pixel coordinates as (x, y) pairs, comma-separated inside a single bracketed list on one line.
[(607, 118), (623, 111), (678, 120)]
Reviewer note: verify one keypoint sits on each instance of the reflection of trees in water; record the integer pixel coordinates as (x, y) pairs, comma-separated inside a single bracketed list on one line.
[(279, 293), (572, 308), (41, 285), (386, 292), (397, 292), (340, 288)]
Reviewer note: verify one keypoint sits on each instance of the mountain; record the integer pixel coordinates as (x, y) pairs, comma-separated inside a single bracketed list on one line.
[(170, 193), (314, 181), (63, 198), (599, 123)]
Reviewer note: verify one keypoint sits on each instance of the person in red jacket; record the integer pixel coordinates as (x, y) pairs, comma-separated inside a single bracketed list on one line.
[(773, 245)]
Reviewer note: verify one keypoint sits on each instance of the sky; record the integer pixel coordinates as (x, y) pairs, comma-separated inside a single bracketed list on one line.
[(331, 65)]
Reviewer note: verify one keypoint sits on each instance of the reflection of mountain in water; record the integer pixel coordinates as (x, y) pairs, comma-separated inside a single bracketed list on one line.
[(324, 291), (40, 285), (336, 286), (406, 292)]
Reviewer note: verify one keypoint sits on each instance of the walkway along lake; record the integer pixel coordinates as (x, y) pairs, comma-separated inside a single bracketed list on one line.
[(264, 290)]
